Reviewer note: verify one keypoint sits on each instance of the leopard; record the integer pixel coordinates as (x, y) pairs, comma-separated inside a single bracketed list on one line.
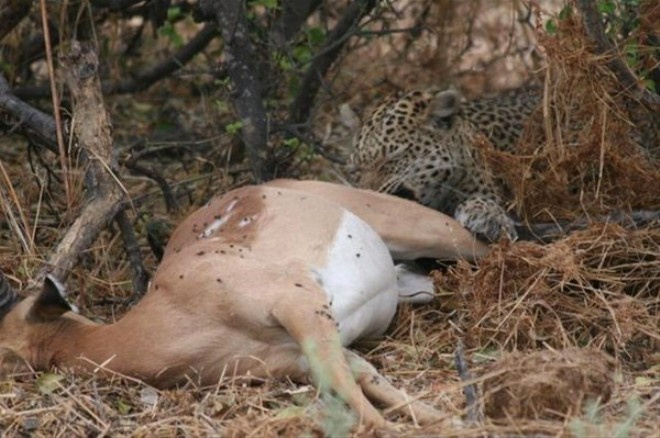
[(420, 145)]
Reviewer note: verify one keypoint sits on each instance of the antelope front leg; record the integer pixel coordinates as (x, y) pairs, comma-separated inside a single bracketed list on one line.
[(380, 390), (409, 229), (309, 320)]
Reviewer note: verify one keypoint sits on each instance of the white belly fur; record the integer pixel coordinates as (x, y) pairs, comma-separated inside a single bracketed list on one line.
[(360, 280)]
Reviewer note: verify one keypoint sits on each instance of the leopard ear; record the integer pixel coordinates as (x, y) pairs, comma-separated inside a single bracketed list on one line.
[(446, 103)]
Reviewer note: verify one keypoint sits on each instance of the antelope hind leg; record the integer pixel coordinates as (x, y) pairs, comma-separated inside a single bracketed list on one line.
[(380, 390), (311, 324)]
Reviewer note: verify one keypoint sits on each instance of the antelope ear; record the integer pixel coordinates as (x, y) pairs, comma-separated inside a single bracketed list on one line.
[(51, 302)]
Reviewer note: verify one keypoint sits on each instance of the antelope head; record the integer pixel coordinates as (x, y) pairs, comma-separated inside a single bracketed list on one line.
[(28, 326)]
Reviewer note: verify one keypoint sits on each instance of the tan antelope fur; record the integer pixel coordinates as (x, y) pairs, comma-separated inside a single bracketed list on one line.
[(264, 281)]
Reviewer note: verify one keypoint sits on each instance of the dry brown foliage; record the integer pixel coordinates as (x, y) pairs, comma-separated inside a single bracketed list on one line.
[(597, 287), (590, 149), (547, 384)]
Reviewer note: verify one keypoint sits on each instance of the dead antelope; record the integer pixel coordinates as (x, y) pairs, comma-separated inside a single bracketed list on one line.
[(264, 281)]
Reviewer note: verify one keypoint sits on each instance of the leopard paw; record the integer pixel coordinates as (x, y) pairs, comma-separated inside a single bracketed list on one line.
[(486, 219)]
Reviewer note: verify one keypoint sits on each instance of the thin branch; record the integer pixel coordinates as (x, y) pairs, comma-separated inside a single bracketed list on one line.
[(547, 232), (32, 49), (147, 77), (300, 109), (93, 133), (28, 118), (56, 105), (115, 5), (293, 16), (475, 414), (311, 140), (245, 69), (596, 31), (346, 27), (171, 204), (414, 29), (140, 274)]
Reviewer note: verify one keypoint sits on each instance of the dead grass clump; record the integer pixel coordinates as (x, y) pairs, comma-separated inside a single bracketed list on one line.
[(591, 147), (597, 287), (547, 384)]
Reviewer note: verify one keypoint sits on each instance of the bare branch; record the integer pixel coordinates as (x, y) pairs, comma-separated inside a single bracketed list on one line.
[(474, 409), (547, 232), (55, 98), (311, 140), (93, 132), (140, 274), (293, 16), (27, 118), (99, 211), (115, 5), (594, 26), (146, 78), (171, 204), (345, 28), (245, 71)]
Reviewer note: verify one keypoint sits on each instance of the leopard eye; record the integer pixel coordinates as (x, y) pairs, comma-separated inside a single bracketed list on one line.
[(444, 123)]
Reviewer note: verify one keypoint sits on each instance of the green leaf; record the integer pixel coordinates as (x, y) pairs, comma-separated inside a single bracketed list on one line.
[(173, 13), (47, 383), (123, 407), (6, 67), (222, 106), (291, 143), (268, 4), (169, 31), (234, 128), (285, 64), (487, 354), (606, 7), (294, 85), (632, 54), (645, 381), (224, 82), (551, 27), (302, 53), (566, 12), (315, 36), (290, 412)]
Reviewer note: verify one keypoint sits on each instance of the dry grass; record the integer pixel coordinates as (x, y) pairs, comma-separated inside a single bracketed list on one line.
[(591, 148), (594, 288), (562, 339)]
